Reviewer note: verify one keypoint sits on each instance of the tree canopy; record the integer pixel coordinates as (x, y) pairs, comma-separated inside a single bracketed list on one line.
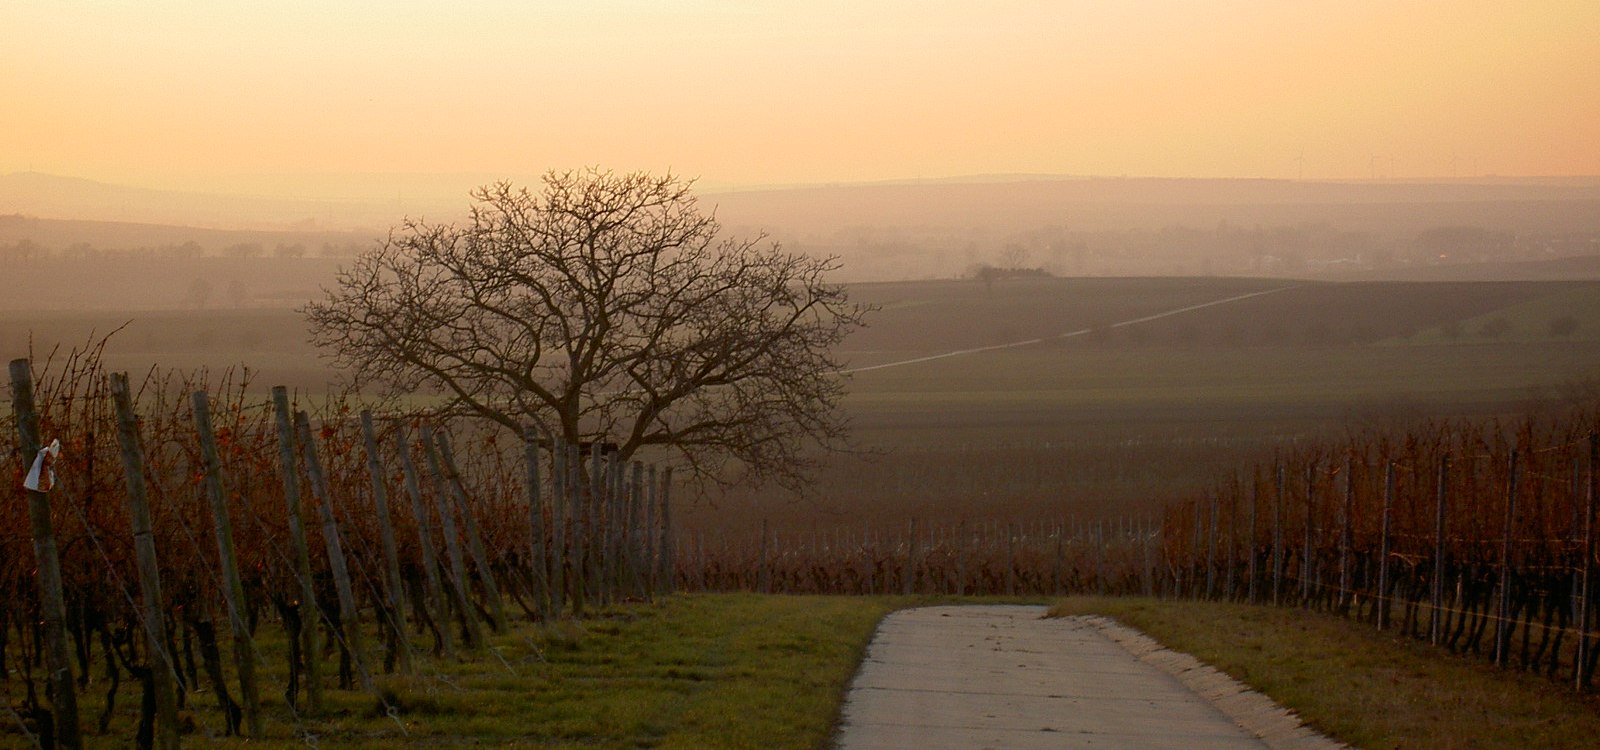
[(604, 308)]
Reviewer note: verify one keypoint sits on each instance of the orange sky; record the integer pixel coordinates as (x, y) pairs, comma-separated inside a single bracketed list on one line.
[(266, 95)]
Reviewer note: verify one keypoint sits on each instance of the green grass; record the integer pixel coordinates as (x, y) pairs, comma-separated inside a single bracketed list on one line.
[(1372, 690), (698, 671)]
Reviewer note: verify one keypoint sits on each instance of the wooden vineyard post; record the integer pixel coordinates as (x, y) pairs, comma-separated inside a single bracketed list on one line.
[(1255, 500), (1193, 563), (538, 560), (162, 666), (763, 569), (909, 584), (1383, 545), (1309, 548), (1586, 571), (668, 547), (1146, 539), (618, 516), (1436, 589), (637, 533), (649, 566), (596, 542), (430, 563), (310, 617), (349, 617), (961, 558), (244, 657), (1211, 550), (1011, 559), (1059, 566), (1342, 602), (1502, 628), (452, 542), (605, 509), (480, 557), (52, 604), (1230, 591), (558, 525), (579, 581), (1277, 539), (391, 553), (1100, 558)]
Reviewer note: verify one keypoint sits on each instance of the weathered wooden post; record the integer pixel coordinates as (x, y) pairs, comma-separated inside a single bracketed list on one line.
[(579, 582), (961, 558), (651, 568), (1231, 563), (1383, 545), (1307, 556), (452, 541), (1277, 538), (1436, 594), (1211, 550), (1060, 564), (595, 544), (1346, 533), (391, 553), (310, 615), (153, 617), (1502, 627), (669, 552), (430, 563), (537, 558), (469, 520), (1254, 548), (763, 571), (52, 604), (1148, 534), (559, 474), (1586, 572), (349, 615), (1011, 559), (244, 656), (634, 539)]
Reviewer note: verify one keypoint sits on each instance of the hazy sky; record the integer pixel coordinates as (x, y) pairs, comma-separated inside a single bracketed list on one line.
[(175, 93)]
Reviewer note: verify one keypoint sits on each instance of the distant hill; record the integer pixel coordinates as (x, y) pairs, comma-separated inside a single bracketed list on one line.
[(56, 197), (1068, 226), (1098, 204), (1577, 268), (112, 236)]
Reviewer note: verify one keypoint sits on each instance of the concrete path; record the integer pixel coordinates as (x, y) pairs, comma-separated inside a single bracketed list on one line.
[(1002, 677)]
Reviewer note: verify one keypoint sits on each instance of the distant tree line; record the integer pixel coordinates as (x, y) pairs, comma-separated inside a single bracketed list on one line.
[(26, 250)]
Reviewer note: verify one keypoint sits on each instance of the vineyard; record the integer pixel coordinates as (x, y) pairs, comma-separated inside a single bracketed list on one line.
[(302, 547), (179, 518), (1475, 536)]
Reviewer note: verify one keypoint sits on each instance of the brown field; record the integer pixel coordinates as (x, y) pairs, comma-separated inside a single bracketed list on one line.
[(1105, 424)]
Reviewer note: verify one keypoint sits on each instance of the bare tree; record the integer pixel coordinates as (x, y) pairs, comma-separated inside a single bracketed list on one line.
[(605, 308)]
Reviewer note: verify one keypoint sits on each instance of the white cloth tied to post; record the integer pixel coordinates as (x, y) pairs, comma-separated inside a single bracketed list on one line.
[(42, 477)]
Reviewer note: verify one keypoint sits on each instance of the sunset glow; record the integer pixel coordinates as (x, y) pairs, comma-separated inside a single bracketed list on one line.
[(192, 94)]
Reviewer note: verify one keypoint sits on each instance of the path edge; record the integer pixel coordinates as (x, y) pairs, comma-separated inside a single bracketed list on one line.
[(1278, 727)]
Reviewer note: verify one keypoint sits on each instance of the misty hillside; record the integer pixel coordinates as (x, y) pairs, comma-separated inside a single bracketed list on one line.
[(1467, 229)]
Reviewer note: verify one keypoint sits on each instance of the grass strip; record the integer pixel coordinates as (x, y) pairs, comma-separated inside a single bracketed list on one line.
[(1368, 689), (695, 671)]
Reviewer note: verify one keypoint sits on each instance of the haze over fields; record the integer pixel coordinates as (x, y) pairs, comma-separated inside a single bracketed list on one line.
[(914, 140), (990, 174)]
